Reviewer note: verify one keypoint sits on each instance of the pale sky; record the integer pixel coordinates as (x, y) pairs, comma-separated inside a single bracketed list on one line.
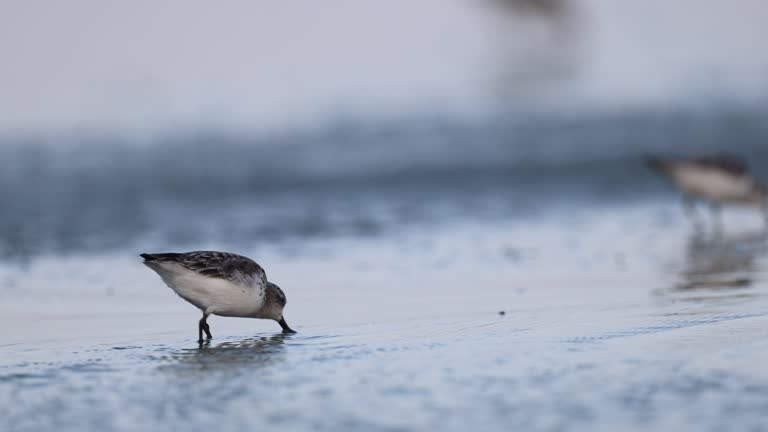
[(147, 65)]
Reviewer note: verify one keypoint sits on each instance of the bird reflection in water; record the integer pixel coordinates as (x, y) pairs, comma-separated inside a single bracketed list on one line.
[(228, 356), (720, 267)]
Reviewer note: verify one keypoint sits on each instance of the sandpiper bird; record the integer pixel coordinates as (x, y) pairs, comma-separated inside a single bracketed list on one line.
[(220, 283), (716, 179)]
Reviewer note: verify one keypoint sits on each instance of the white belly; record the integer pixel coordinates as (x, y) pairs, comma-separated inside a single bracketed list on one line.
[(712, 184), (213, 295)]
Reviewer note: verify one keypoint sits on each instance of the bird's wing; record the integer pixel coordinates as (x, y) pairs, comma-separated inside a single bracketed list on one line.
[(223, 265), (726, 162)]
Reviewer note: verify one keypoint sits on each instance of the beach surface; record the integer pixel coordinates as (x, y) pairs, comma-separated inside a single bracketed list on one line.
[(608, 318)]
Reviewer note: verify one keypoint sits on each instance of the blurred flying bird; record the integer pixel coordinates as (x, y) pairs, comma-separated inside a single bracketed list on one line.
[(540, 46)]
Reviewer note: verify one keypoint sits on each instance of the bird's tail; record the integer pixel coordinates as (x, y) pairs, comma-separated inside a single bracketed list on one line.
[(148, 257)]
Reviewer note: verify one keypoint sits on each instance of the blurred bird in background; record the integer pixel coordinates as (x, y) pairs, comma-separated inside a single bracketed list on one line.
[(717, 180)]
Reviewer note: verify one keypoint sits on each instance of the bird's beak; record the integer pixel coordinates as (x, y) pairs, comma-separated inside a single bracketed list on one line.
[(285, 327)]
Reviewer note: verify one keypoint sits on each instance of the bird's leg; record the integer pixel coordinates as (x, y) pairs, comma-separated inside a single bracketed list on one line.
[(203, 327), (764, 207), (206, 327), (717, 219), (689, 206)]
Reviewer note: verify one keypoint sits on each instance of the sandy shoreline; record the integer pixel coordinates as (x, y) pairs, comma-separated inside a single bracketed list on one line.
[(605, 328)]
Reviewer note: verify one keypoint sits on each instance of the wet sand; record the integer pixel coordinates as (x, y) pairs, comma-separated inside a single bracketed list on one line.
[(614, 319)]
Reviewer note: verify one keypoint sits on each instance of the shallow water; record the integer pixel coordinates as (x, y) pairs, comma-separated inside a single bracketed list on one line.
[(519, 272), (614, 318), (449, 374)]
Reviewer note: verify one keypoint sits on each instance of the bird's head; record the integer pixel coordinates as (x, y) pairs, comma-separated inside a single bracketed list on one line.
[(275, 302), (657, 164)]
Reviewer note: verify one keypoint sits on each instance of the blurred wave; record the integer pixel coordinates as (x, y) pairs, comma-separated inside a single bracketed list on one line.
[(353, 177)]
